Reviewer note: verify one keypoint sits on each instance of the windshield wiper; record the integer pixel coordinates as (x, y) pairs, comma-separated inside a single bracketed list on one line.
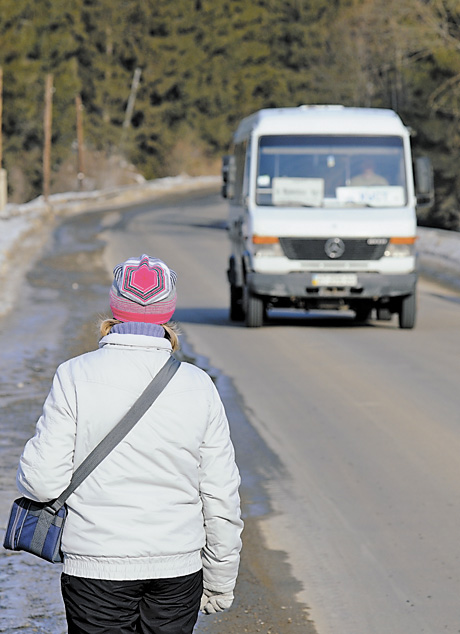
[(352, 204), (298, 205)]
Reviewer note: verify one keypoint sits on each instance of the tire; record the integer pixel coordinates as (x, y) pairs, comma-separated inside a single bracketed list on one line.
[(407, 312), (236, 303), (254, 310)]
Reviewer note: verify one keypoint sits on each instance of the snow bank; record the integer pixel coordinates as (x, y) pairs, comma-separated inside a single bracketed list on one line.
[(439, 254), (75, 201)]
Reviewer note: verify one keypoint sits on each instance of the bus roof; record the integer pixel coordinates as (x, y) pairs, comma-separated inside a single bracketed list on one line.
[(327, 119)]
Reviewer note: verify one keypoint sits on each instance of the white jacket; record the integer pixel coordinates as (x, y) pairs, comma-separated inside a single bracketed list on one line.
[(164, 503)]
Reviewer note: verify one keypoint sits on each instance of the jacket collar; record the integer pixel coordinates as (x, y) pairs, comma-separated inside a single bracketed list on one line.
[(138, 328)]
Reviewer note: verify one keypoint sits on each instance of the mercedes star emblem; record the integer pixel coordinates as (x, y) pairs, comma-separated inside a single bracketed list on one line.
[(334, 248)]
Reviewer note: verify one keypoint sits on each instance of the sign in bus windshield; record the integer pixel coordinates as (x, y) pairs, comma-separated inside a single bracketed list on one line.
[(317, 171)]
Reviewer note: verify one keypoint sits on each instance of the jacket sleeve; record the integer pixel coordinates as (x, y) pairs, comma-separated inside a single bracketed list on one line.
[(219, 482), (46, 465)]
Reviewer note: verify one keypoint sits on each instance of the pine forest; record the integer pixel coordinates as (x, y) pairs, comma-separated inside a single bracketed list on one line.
[(199, 66)]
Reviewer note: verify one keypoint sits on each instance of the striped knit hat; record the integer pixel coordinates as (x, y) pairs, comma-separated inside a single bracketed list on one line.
[(143, 289)]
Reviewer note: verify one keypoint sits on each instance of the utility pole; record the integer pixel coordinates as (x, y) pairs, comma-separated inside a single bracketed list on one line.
[(47, 122), (131, 100), (80, 158), (1, 117), (3, 184)]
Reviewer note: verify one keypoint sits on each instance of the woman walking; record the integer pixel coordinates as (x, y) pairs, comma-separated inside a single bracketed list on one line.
[(154, 531)]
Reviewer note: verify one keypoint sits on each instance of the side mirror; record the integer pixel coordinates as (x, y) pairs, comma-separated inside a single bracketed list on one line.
[(225, 169), (228, 176), (424, 182)]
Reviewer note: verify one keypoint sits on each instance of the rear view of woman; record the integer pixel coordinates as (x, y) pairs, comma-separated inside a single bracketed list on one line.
[(154, 531)]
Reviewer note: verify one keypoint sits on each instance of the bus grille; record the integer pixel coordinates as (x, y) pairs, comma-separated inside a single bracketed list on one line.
[(316, 249)]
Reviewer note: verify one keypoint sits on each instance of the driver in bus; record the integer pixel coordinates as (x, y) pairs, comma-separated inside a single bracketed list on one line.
[(368, 176)]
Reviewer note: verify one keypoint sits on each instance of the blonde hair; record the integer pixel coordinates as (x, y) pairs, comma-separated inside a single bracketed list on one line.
[(171, 329)]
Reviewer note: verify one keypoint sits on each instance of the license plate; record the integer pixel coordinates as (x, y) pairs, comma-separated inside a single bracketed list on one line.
[(334, 279)]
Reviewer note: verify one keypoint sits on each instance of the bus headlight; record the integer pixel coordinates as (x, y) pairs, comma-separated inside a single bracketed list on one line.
[(266, 246), (400, 248)]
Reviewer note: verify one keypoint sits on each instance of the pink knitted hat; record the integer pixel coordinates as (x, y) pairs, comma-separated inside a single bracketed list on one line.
[(143, 289)]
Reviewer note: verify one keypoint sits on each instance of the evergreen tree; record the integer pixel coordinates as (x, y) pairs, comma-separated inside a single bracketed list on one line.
[(204, 65)]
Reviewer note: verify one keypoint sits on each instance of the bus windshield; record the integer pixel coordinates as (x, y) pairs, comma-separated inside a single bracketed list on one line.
[(331, 171)]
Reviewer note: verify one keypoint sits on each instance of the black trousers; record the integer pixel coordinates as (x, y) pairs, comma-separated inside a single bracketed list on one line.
[(150, 606)]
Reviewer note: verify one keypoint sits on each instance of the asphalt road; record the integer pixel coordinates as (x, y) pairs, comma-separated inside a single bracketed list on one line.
[(347, 436), (363, 422)]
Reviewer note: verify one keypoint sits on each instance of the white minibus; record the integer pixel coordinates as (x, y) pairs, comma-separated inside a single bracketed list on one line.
[(322, 213)]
